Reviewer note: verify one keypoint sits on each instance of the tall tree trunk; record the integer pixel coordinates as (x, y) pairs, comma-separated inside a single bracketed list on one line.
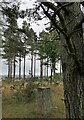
[(45, 71), (72, 90), (72, 64), (14, 70), (60, 68), (41, 68), (34, 65), (47, 67), (10, 68), (54, 68), (24, 68), (20, 67), (44, 68), (51, 73)]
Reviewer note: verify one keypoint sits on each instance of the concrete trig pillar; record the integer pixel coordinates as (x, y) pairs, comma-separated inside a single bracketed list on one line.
[(44, 100)]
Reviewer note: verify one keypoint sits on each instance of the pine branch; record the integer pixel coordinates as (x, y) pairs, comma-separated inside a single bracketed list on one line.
[(54, 21), (56, 12)]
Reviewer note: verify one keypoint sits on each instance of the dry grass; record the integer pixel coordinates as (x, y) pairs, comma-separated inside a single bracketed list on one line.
[(11, 108), (58, 103)]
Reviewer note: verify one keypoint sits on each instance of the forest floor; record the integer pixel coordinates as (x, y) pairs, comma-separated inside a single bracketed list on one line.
[(16, 105)]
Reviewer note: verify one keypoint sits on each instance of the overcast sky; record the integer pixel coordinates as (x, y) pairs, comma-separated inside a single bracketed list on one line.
[(37, 29)]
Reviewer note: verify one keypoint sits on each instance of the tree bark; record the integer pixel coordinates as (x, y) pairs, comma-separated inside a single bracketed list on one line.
[(10, 68), (60, 68), (14, 70), (20, 67), (31, 64), (53, 68), (41, 68), (72, 65), (24, 68), (47, 67), (51, 73), (34, 66), (72, 90)]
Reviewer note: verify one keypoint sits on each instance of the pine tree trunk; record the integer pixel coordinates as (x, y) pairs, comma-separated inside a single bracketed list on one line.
[(20, 67), (47, 67), (24, 68), (51, 73), (54, 68), (45, 71), (60, 68), (31, 65), (14, 70), (72, 65), (10, 68), (41, 68), (72, 85), (34, 66)]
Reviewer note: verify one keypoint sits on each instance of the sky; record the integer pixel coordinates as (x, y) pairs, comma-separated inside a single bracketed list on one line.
[(37, 29)]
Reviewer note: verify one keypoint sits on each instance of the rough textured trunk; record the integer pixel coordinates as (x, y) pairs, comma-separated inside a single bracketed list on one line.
[(60, 68), (10, 69), (14, 70), (51, 74), (47, 67), (41, 68), (24, 68), (72, 64), (32, 64), (54, 68), (45, 70), (20, 67)]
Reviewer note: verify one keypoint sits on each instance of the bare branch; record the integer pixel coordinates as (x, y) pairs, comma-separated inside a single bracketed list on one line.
[(82, 3), (56, 12), (54, 22)]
